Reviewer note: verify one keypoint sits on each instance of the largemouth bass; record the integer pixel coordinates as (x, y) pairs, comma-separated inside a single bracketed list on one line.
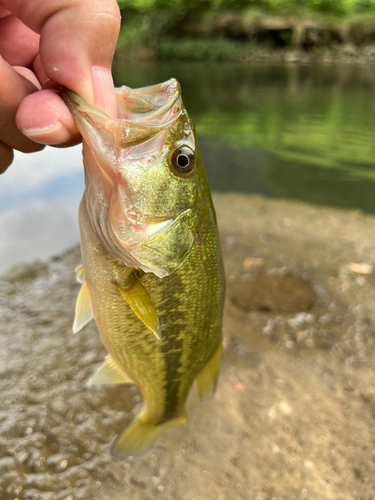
[(152, 275)]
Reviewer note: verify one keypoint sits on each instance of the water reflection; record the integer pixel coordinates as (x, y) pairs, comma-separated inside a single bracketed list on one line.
[(39, 197), (303, 132)]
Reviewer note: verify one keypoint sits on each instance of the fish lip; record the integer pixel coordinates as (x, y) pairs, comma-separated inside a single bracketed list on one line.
[(132, 126), (77, 104), (171, 87), (71, 99), (69, 95)]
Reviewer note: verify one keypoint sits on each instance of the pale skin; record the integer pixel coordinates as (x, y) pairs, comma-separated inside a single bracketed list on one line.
[(45, 44)]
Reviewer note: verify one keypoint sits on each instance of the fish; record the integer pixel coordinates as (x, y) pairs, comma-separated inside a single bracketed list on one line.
[(152, 272)]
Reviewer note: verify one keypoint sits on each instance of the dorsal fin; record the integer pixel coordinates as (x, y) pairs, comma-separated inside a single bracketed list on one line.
[(83, 308), (140, 301), (109, 373)]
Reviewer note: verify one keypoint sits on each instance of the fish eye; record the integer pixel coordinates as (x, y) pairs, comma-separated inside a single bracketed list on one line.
[(183, 160)]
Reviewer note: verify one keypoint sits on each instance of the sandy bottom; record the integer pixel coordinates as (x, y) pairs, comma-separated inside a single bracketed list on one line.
[(294, 413)]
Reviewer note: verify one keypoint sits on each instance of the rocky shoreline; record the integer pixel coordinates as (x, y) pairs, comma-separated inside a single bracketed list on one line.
[(293, 417)]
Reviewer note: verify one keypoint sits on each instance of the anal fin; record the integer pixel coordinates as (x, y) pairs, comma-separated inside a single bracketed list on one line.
[(109, 373), (206, 379), (83, 312), (140, 301)]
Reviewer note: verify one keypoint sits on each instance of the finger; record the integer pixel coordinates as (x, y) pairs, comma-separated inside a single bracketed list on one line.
[(29, 75), (78, 40), (19, 45), (3, 11), (39, 71), (45, 118), (13, 89), (6, 157)]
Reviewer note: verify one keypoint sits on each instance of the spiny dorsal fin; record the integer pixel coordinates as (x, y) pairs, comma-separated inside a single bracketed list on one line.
[(140, 301), (80, 273), (83, 308), (206, 379), (109, 373)]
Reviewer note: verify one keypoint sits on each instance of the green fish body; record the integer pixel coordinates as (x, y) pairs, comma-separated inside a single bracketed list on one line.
[(152, 274)]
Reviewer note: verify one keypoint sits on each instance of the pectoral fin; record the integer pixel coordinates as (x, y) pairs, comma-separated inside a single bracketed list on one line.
[(206, 380), (83, 308), (140, 301), (80, 273), (109, 373)]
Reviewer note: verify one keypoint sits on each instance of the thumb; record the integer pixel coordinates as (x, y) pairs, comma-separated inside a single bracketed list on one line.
[(77, 44)]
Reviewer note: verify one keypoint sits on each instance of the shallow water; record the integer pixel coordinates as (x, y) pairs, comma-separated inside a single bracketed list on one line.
[(296, 132)]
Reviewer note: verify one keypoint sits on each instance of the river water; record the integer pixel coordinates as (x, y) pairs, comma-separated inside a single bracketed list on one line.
[(294, 132)]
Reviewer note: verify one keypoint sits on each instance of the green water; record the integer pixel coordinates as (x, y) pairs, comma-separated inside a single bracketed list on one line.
[(300, 132)]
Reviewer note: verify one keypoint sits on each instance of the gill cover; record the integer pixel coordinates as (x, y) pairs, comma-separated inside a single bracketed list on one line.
[(140, 209)]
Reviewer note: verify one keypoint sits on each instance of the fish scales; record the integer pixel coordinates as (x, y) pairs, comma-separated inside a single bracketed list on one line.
[(177, 353), (151, 257)]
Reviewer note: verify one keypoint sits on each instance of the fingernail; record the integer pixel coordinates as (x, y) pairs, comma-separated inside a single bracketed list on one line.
[(55, 134), (104, 91), (42, 130)]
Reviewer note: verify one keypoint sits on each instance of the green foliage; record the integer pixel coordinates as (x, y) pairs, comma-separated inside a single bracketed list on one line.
[(202, 50), (184, 9), (222, 29)]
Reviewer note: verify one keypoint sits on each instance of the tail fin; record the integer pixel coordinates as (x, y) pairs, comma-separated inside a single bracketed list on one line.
[(140, 435)]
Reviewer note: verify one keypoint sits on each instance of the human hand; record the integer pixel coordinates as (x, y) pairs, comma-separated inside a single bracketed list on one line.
[(45, 44)]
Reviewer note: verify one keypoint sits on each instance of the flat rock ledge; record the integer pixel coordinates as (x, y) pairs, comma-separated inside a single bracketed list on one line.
[(294, 413)]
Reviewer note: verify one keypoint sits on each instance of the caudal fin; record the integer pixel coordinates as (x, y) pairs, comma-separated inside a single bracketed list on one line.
[(140, 435)]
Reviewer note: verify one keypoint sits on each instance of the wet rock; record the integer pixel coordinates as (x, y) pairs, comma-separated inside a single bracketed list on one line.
[(32, 494), (40, 481), (278, 293), (6, 464), (26, 273)]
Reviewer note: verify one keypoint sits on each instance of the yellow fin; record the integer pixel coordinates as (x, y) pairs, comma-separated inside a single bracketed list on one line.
[(83, 308), (140, 301), (80, 273), (140, 435), (206, 379), (109, 373)]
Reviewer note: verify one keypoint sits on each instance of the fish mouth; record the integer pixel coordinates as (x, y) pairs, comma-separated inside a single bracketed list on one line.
[(141, 113), (144, 104), (148, 103)]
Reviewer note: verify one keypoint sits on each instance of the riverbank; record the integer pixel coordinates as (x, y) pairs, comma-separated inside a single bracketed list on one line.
[(293, 416), (244, 52), (257, 37)]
